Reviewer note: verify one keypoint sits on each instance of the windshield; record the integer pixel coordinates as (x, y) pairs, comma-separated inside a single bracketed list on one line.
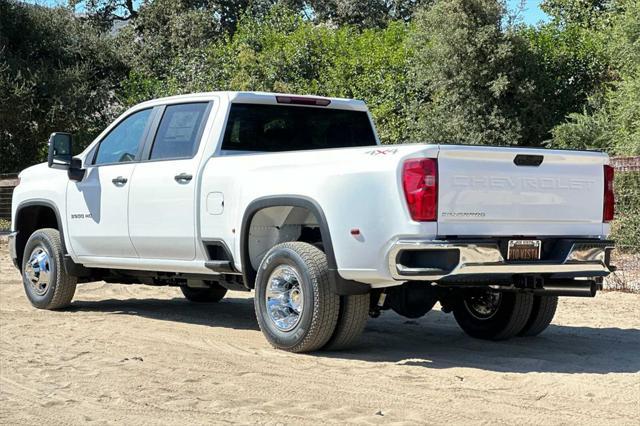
[(273, 128)]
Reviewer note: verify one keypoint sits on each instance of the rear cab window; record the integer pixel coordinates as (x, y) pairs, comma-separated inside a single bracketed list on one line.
[(277, 128)]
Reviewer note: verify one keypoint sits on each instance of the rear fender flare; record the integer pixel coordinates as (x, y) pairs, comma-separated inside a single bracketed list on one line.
[(339, 284)]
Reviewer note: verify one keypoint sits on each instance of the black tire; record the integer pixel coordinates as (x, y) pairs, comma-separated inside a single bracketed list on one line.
[(352, 318), (504, 321), (319, 314), (45, 245), (544, 308), (204, 295)]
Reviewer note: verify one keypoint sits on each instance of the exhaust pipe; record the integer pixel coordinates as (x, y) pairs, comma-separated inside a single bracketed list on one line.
[(573, 288), (558, 287)]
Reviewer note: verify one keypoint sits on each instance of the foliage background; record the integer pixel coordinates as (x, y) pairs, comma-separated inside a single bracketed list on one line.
[(626, 227), (457, 71)]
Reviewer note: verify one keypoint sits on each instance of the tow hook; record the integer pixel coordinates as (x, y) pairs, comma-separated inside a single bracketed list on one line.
[(528, 282)]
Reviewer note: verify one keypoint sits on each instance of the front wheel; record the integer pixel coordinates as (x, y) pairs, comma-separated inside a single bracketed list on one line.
[(295, 307), (45, 280), (492, 315)]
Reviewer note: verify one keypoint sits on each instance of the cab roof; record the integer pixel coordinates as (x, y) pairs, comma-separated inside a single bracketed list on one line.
[(267, 98)]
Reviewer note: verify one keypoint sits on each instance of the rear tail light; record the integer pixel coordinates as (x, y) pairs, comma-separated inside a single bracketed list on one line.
[(420, 183), (609, 200)]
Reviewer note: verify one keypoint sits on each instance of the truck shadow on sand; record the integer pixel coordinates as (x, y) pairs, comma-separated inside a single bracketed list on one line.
[(434, 341), (230, 312)]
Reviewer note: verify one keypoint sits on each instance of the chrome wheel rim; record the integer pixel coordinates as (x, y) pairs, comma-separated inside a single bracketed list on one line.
[(284, 297), (483, 306), (38, 270)]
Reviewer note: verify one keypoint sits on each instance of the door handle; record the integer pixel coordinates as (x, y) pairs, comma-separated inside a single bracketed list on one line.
[(119, 181), (183, 178)]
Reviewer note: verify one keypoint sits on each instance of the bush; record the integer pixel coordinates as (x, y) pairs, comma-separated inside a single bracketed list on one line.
[(460, 74), (626, 227), (612, 119), (57, 73)]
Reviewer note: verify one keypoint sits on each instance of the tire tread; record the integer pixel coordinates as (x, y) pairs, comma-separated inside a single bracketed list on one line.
[(352, 319), (65, 284), (519, 316), (326, 303), (511, 322), (544, 309)]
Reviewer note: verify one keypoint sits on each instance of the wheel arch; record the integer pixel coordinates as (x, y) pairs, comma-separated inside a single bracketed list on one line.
[(339, 285), (260, 204), (32, 215)]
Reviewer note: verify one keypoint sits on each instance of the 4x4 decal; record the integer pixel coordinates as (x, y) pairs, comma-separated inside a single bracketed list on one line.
[(386, 151)]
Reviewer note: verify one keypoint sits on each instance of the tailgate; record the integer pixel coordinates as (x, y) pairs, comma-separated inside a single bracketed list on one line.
[(486, 191)]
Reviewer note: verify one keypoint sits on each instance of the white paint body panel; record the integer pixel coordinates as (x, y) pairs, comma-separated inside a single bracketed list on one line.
[(355, 188), (97, 219), (39, 183), (483, 193), (162, 210)]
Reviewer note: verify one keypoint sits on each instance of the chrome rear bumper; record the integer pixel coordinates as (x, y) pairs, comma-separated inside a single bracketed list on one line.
[(581, 258)]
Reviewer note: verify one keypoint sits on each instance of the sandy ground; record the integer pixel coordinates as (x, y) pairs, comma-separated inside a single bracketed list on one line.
[(143, 355)]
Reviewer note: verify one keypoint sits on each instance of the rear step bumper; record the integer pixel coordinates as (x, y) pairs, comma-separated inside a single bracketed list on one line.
[(460, 261)]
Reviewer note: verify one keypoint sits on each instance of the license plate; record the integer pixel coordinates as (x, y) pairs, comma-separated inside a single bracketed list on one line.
[(524, 250)]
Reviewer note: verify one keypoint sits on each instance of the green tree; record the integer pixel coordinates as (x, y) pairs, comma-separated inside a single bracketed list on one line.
[(283, 52), (611, 119), (104, 13), (56, 74), (364, 13), (163, 30), (584, 13), (567, 65), (465, 79), (222, 13)]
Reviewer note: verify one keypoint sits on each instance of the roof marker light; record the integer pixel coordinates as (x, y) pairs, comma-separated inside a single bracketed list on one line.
[(300, 100)]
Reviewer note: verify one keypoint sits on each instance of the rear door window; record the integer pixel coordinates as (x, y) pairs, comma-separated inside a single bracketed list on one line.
[(179, 131), (273, 128)]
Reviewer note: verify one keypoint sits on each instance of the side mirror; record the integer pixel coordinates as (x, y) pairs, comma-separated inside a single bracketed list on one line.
[(60, 150)]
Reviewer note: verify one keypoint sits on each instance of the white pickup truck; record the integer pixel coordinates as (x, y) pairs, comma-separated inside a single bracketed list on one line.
[(293, 197)]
